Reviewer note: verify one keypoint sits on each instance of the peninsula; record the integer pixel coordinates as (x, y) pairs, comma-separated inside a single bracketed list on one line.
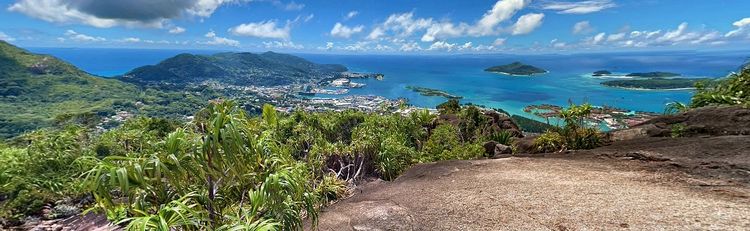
[(655, 74), (433, 92), (516, 69), (655, 83)]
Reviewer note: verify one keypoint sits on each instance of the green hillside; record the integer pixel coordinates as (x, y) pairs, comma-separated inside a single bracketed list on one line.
[(267, 69), (36, 89)]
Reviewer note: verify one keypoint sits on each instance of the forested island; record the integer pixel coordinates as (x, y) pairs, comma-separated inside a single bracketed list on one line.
[(602, 73), (516, 69), (655, 83), (433, 92), (655, 74)]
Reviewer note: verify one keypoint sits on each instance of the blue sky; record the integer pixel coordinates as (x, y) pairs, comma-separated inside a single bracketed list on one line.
[(383, 26)]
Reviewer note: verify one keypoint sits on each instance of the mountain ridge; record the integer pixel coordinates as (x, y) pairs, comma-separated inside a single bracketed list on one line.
[(241, 68)]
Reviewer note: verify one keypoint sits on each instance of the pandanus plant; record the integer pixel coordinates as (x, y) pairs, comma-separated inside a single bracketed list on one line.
[(225, 174)]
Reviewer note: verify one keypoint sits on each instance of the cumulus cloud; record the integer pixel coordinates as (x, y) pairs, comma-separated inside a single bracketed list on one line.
[(743, 26), (681, 35), (402, 25), (441, 45), (328, 46), (282, 45), (263, 29), (500, 12), (582, 27), (177, 30), (616, 37), (527, 23), (351, 15), (578, 7), (6, 37), (499, 42), (339, 30), (75, 36), (213, 39), (110, 13), (130, 40), (410, 47), (597, 39)]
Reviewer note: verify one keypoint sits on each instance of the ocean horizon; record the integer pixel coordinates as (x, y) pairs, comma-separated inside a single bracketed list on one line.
[(568, 79)]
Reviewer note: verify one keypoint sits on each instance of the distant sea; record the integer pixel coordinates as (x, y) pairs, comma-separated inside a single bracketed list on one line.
[(569, 78)]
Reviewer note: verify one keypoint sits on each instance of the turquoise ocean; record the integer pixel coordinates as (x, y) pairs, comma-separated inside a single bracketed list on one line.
[(568, 78)]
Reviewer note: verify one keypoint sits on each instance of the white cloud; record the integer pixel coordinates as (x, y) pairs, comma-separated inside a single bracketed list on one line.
[(527, 23), (263, 29), (578, 7), (6, 37), (500, 12), (131, 13), (329, 46), (409, 47), (351, 14), (282, 45), (444, 30), (294, 6), (499, 42), (130, 40), (681, 36), (177, 30), (75, 36), (376, 33), (597, 39), (441, 45), (616, 37), (582, 27), (557, 44), (466, 46), (205, 8), (309, 17), (743, 26), (216, 40), (402, 24), (339, 30)]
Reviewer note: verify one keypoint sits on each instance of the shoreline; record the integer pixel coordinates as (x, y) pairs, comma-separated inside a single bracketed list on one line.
[(652, 89)]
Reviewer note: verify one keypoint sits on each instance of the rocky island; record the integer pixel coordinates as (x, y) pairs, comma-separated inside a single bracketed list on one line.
[(516, 69), (433, 92)]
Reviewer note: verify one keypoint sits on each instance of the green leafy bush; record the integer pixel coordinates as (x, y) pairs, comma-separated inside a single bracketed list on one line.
[(732, 90), (549, 141), (575, 134)]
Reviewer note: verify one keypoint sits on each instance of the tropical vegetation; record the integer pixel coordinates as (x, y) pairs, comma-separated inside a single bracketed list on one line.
[(224, 170)]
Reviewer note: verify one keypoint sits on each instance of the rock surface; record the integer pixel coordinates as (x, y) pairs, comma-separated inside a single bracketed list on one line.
[(643, 184)]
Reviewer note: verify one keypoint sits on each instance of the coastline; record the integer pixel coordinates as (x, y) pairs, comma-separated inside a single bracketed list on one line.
[(652, 89)]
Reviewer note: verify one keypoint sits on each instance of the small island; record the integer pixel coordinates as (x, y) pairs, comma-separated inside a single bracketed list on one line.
[(656, 74), (655, 83), (602, 73), (516, 69), (433, 92)]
